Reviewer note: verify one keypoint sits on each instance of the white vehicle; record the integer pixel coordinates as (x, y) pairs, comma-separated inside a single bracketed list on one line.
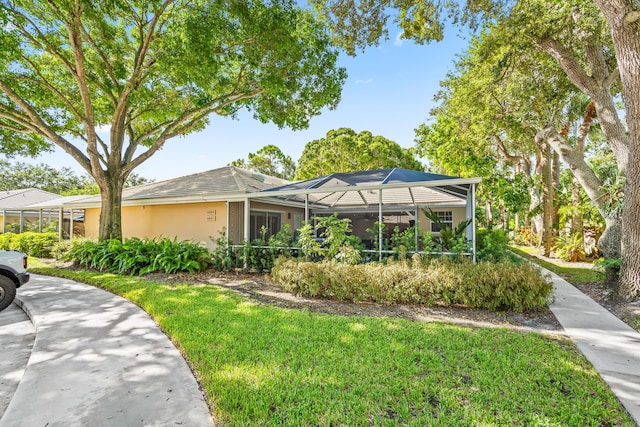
[(13, 274)]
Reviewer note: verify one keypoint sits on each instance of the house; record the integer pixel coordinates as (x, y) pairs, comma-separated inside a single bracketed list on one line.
[(196, 207), (202, 206), (12, 213)]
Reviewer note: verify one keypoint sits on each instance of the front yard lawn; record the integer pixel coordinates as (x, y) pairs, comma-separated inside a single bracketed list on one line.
[(268, 366)]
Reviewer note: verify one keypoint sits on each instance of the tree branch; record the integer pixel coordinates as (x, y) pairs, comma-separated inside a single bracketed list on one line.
[(43, 129), (75, 40), (42, 44), (51, 88), (136, 75), (611, 79), (569, 64), (183, 125)]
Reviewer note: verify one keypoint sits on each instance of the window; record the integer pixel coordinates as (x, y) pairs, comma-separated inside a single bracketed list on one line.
[(445, 217), (272, 221)]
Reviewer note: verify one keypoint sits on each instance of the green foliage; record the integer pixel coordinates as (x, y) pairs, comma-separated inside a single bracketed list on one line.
[(33, 244), (344, 150), (570, 247), (602, 264), (269, 160), (140, 256), (449, 239), (261, 254), (403, 242), (63, 181), (576, 275), (258, 255), (338, 242), (224, 257), (154, 71), (494, 286), (307, 242), (491, 245)]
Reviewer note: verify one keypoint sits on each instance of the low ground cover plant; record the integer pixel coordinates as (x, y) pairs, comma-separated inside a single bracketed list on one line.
[(140, 256), (267, 366), (421, 280), (32, 243)]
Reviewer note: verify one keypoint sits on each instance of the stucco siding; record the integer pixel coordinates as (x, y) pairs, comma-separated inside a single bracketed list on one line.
[(193, 221)]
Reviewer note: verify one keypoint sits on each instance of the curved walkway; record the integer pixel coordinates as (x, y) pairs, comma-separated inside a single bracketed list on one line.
[(99, 360), (612, 346), (16, 337)]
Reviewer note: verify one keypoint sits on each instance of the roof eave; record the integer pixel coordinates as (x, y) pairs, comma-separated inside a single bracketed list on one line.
[(432, 183)]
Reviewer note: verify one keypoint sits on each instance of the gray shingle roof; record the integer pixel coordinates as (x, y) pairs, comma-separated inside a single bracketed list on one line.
[(14, 199), (209, 184)]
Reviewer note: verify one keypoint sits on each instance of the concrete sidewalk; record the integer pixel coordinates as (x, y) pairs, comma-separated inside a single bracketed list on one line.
[(612, 346), (17, 335), (99, 360)]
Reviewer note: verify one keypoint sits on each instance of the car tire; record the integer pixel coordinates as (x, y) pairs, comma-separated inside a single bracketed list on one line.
[(7, 292)]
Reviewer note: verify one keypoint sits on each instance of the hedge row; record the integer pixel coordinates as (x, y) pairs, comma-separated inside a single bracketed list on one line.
[(35, 244), (495, 286)]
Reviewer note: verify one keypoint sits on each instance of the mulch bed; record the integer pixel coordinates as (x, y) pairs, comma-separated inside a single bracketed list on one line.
[(260, 289)]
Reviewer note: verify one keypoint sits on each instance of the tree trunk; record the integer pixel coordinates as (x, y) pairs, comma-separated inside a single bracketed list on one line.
[(547, 199), (610, 244), (624, 22), (556, 188), (111, 209), (577, 222)]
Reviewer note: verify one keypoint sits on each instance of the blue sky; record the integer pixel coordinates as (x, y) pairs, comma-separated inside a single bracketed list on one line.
[(389, 92)]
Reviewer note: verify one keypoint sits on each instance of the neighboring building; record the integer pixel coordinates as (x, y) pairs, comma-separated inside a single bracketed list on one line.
[(12, 203), (202, 206)]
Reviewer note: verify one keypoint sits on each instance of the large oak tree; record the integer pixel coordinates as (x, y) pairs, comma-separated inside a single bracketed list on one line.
[(148, 71)]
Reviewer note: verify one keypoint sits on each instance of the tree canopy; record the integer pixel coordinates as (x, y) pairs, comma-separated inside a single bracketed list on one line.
[(145, 72), (344, 150), (269, 160)]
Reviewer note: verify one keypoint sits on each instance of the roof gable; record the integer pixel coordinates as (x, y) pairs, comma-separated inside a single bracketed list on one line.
[(14, 199), (213, 183)]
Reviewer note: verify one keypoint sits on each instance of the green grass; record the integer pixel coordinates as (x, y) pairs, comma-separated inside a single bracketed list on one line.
[(575, 275), (267, 366)]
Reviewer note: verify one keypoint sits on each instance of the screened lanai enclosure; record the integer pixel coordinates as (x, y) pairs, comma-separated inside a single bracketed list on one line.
[(393, 197), (48, 216)]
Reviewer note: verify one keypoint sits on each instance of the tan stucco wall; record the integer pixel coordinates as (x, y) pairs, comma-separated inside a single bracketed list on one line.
[(91, 221), (192, 221)]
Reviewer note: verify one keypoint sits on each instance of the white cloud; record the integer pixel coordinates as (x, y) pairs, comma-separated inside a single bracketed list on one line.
[(364, 82), (399, 41)]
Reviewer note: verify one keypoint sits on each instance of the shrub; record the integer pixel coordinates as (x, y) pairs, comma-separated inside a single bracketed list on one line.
[(258, 255), (570, 248), (504, 285), (224, 257), (525, 236), (491, 245), (140, 256), (32, 243)]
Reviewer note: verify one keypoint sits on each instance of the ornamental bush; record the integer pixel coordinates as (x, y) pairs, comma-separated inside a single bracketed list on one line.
[(32, 243), (505, 285), (140, 256)]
